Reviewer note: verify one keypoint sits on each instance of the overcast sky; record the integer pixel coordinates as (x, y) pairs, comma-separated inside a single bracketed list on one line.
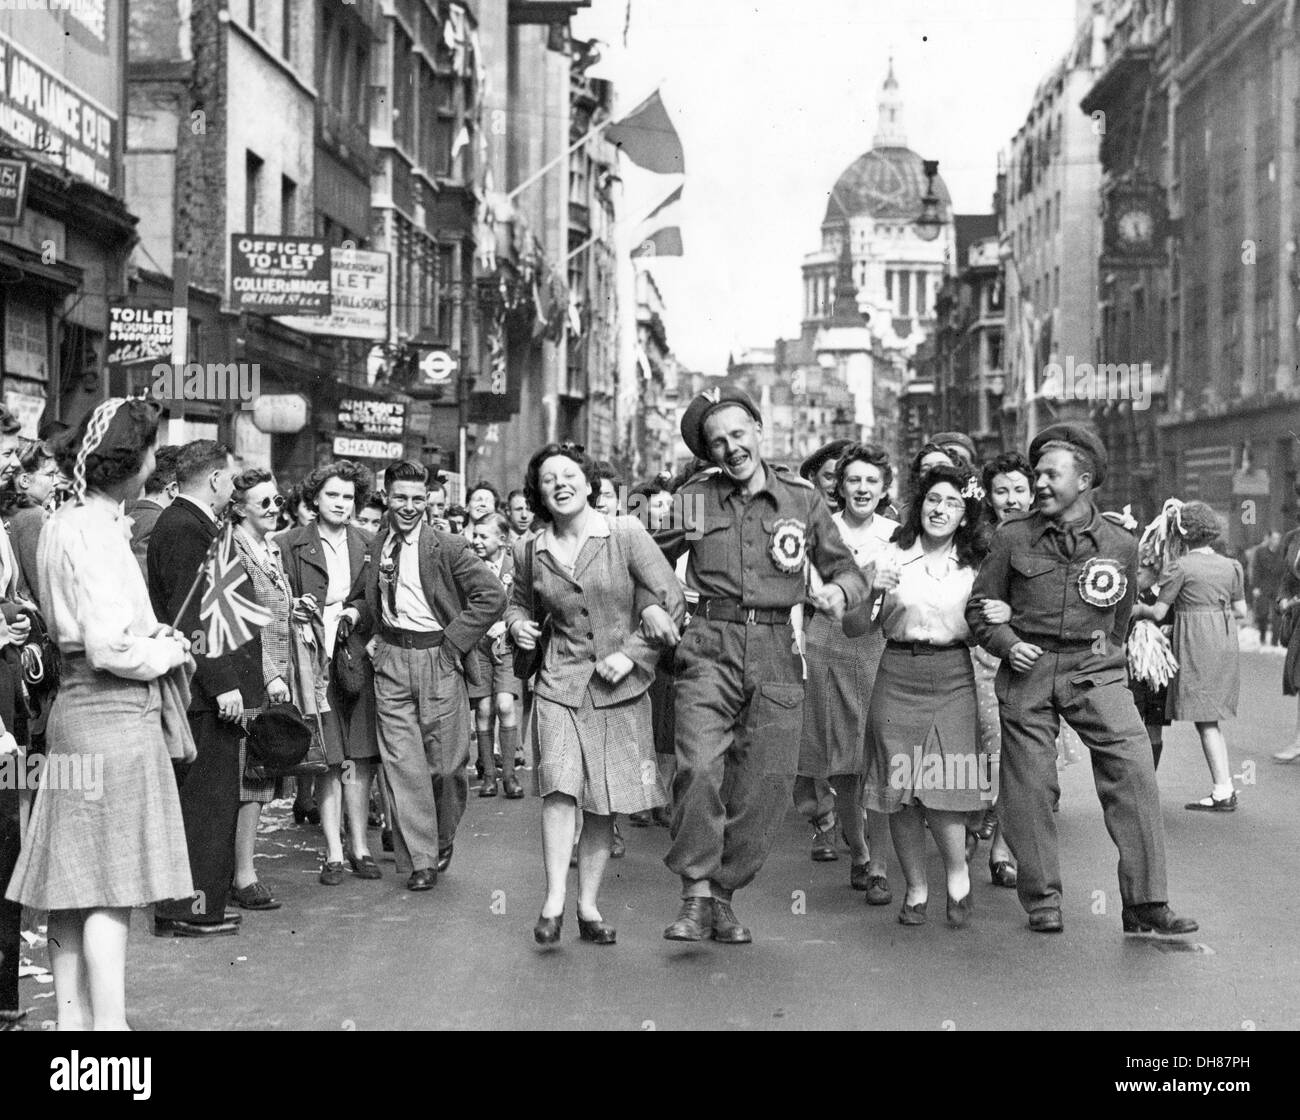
[(773, 100)]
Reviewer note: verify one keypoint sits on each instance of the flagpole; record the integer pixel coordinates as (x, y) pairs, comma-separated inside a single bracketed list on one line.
[(545, 169), (198, 577), (623, 221)]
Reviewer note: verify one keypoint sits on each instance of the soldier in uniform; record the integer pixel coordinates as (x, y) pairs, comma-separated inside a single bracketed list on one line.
[(1069, 576), (739, 676)]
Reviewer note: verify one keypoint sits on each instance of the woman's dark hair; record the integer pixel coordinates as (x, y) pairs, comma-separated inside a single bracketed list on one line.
[(374, 501), (927, 449), (532, 486), (123, 449), (293, 498), (1009, 462), (244, 481), (693, 467), (345, 470), (872, 455), (1200, 524), (968, 540), (32, 453), (604, 471), (496, 494)]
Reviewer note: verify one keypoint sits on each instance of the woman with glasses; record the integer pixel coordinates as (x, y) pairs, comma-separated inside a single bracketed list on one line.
[(925, 762), (255, 507), (29, 506)]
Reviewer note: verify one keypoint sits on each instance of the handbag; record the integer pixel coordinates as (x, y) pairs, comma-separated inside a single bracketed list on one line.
[(348, 666), (281, 744), (1286, 623), (527, 662)]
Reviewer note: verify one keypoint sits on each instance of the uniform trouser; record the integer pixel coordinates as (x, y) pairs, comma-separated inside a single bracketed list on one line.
[(814, 800), (739, 714), (1100, 708), (209, 796), (423, 723)]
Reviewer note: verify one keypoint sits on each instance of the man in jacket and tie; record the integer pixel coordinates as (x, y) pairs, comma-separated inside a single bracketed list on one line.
[(209, 786), (430, 600)]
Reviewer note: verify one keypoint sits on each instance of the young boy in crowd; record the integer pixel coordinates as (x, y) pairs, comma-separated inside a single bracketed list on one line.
[(498, 694)]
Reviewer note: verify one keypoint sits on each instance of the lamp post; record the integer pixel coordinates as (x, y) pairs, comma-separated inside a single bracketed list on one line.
[(930, 223)]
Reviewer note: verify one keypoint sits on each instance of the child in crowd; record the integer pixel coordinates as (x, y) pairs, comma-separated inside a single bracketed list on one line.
[(498, 694)]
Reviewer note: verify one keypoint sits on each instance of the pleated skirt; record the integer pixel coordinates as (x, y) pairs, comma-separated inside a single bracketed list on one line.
[(106, 828), (602, 757)]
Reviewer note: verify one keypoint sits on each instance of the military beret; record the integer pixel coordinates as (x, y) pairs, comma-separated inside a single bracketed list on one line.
[(704, 405), (961, 439), (1076, 435), (833, 450)]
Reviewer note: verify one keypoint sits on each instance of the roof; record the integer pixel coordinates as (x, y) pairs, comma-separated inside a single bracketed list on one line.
[(884, 183)]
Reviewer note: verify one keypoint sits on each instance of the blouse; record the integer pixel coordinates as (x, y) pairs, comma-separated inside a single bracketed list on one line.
[(93, 593), (925, 607)]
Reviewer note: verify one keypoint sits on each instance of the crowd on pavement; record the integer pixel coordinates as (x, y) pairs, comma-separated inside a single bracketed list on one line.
[(904, 653)]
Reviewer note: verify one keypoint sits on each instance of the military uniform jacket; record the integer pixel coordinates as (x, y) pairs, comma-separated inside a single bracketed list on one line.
[(1086, 598), (754, 552)]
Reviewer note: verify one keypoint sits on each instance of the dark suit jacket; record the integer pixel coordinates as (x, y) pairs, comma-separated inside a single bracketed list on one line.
[(144, 514), (466, 597), (177, 549), (304, 563)]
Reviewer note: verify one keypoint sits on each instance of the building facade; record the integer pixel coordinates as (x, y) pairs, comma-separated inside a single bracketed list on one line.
[(66, 233), (1052, 236)]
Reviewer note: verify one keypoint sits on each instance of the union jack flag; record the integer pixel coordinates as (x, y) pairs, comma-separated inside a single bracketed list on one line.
[(230, 614)]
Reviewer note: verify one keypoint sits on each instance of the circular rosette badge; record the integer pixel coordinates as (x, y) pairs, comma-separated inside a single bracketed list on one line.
[(1102, 582), (789, 546)]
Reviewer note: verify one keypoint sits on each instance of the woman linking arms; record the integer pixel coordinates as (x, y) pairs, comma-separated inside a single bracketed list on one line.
[(97, 847), (588, 573), (925, 763)]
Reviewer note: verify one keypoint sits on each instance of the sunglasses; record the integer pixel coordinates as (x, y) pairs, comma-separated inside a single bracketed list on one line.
[(275, 501)]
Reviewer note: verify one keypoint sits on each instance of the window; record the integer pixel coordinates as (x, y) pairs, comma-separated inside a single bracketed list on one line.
[(1058, 210), (27, 345), (252, 15), (403, 91), (288, 204), (252, 191), (286, 29)]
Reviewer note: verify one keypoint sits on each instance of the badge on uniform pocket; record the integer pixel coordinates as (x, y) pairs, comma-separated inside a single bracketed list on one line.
[(1102, 583), (789, 545)]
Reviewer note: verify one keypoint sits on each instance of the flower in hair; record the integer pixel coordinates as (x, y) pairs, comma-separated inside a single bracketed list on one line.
[(973, 489)]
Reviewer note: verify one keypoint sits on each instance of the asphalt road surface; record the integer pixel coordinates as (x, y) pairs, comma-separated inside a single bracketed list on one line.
[(373, 956)]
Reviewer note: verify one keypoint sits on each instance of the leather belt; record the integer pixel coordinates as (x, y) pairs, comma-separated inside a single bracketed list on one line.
[(412, 639), (1052, 644), (923, 649), (728, 610)]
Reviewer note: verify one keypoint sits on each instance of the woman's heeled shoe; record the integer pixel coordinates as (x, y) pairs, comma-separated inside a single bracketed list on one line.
[(1002, 872), (912, 915), (598, 932), (512, 789), (547, 930), (959, 911)]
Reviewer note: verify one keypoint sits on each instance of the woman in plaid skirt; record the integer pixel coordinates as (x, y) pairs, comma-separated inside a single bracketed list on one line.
[(590, 575), (105, 833), (255, 509)]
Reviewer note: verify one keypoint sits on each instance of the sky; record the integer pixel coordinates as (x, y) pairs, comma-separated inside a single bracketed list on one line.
[(773, 100)]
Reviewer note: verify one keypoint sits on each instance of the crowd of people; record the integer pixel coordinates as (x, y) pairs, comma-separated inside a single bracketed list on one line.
[(895, 654)]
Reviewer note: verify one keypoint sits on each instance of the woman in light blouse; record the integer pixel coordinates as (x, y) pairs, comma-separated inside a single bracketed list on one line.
[(111, 838), (588, 573), (925, 762)]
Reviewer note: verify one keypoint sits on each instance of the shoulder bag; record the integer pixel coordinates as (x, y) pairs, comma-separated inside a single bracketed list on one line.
[(527, 662)]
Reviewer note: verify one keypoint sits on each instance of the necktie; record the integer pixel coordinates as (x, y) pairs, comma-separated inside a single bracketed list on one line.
[(399, 541), (1067, 541)]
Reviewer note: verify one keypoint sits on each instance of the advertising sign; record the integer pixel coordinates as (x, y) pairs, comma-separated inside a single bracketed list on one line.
[(351, 447), (39, 110), (138, 334), (358, 297), (372, 418), (13, 191), (273, 275)]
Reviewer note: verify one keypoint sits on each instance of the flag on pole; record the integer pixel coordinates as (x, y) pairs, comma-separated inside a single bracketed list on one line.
[(230, 614), (661, 233), (647, 137)]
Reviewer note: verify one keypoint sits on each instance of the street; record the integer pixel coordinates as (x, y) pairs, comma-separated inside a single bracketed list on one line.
[(372, 956)]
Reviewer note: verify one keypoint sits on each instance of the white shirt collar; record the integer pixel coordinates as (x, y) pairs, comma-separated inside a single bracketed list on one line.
[(597, 526), (916, 552)]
